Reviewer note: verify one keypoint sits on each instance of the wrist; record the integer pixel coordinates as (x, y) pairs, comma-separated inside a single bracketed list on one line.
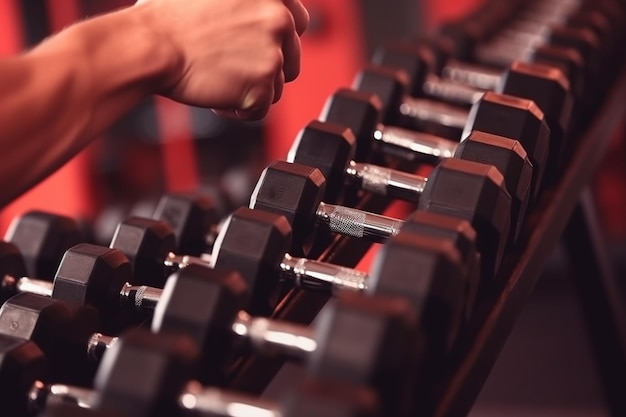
[(167, 61), (124, 50)]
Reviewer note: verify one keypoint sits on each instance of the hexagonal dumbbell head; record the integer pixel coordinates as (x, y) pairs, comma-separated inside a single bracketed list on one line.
[(462, 235), (372, 341), (203, 303), (328, 147), (254, 242), (146, 243), (21, 364), (294, 191), (43, 238), (568, 60), (512, 161), (475, 192), (324, 397), (92, 275), (143, 374), (457, 230), (519, 119), (388, 84), (414, 60), (550, 90), (36, 318), (54, 328), (191, 218), (358, 111), (428, 271)]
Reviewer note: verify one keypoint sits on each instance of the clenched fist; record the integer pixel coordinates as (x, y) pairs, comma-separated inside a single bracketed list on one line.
[(233, 56)]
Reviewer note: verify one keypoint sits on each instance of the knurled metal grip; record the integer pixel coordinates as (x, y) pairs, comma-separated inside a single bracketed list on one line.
[(358, 223), (345, 220)]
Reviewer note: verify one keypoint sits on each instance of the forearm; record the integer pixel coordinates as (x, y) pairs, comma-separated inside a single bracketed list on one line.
[(59, 96)]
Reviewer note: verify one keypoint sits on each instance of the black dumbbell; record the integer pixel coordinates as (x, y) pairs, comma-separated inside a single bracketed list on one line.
[(256, 244), (591, 31), (21, 364), (193, 219), (386, 358), (59, 332), (331, 148), (465, 189), (42, 238), (496, 114), (172, 392), (88, 275), (544, 85)]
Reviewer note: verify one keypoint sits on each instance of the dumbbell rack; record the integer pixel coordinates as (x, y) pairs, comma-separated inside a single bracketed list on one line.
[(565, 211)]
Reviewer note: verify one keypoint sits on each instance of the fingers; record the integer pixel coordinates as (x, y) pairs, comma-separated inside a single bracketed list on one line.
[(279, 84), (300, 15), (292, 55)]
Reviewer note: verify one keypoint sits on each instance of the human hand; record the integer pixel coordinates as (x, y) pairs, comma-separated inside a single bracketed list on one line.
[(233, 56)]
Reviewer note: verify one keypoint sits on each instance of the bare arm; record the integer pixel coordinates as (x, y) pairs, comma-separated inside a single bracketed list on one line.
[(56, 98)]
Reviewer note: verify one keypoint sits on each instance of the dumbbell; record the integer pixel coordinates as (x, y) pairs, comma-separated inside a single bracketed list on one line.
[(546, 85), (256, 244), (193, 219), (591, 30), (465, 189), (386, 356), (60, 333), (42, 238), (315, 397), (488, 20), (331, 147), (500, 114), (495, 114), (164, 387), (88, 276), (21, 364)]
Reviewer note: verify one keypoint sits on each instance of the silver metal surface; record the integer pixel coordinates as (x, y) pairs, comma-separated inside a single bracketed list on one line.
[(450, 91), (177, 261), (357, 223), (433, 112), (34, 286), (386, 181), (275, 337), (415, 142), (142, 297), (473, 75), (216, 402), (41, 396), (98, 345), (316, 275)]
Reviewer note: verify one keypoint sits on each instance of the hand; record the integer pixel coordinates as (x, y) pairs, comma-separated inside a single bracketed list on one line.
[(232, 55)]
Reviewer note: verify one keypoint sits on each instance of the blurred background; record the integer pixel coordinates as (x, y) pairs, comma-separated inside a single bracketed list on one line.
[(546, 368)]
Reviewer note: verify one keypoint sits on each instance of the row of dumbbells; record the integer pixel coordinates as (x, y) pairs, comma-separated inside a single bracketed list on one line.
[(212, 306), (299, 214)]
